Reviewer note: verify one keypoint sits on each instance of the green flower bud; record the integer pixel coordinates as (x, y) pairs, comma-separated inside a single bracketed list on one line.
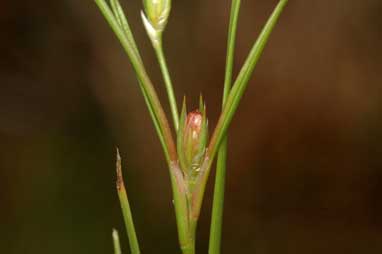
[(155, 20), (192, 140)]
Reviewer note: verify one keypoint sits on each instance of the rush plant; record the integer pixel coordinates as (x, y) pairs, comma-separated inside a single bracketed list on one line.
[(190, 155)]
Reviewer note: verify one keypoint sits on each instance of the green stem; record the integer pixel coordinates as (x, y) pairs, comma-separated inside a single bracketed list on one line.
[(168, 83), (181, 206), (118, 23), (232, 102), (242, 80), (124, 24), (159, 117), (188, 250), (218, 200), (126, 211), (116, 243)]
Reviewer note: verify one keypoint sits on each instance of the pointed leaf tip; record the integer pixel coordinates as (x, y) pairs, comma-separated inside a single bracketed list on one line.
[(119, 181)]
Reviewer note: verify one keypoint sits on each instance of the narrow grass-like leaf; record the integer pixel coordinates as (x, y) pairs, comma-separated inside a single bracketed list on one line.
[(160, 122), (122, 20), (242, 80), (124, 24), (145, 82), (125, 206), (232, 103), (218, 199)]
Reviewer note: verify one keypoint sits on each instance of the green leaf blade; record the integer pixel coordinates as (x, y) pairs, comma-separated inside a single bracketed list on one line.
[(126, 210), (221, 167), (242, 80), (158, 116)]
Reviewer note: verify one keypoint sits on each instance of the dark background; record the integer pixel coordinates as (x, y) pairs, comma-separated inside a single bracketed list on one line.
[(305, 166)]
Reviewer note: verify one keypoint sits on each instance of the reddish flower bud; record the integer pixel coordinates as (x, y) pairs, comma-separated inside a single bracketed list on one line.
[(192, 133), (192, 139)]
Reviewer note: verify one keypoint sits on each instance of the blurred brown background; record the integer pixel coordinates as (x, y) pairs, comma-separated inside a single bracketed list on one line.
[(305, 166)]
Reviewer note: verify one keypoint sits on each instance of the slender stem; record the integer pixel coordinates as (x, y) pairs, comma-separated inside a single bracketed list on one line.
[(126, 211), (242, 80), (146, 84), (218, 200), (116, 243), (181, 206), (168, 83), (232, 103), (118, 23), (234, 17), (124, 24)]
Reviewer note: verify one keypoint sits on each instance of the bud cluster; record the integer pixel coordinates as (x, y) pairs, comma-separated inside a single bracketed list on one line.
[(192, 140)]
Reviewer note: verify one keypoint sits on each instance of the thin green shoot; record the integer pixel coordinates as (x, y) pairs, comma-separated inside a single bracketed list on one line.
[(233, 100), (218, 200), (154, 105), (126, 210), (168, 83)]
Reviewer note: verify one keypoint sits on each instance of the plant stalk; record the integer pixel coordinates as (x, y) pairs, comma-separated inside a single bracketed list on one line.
[(242, 80), (168, 83), (232, 103), (122, 30), (146, 84), (218, 200)]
